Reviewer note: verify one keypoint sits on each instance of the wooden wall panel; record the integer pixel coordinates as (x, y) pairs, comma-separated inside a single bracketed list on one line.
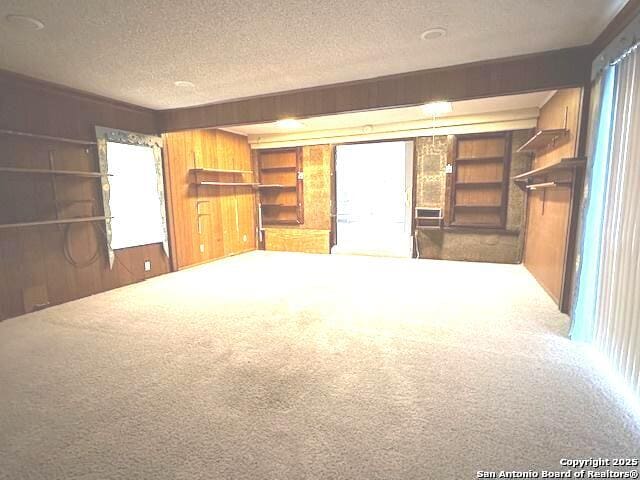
[(542, 71), (38, 107), (179, 157), (209, 222), (547, 216), (316, 161), (33, 269), (549, 210), (552, 115)]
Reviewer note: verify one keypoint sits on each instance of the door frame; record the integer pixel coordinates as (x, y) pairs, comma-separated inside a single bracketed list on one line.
[(411, 204)]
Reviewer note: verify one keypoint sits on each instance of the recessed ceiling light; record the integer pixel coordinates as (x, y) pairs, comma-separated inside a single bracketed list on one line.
[(433, 33), (24, 22), (183, 84), (437, 108), (367, 129), (289, 123)]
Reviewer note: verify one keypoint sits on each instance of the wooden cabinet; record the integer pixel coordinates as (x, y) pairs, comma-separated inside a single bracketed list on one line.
[(480, 184), (281, 179)]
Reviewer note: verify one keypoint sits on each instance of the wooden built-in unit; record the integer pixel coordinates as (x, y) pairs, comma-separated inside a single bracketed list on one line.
[(49, 196), (281, 186), (553, 181), (480, 185), (210, 194), (483, 211), (312, 234)]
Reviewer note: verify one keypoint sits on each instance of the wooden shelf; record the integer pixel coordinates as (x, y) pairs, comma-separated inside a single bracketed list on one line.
[(479, 159), (278, 176), (477, 207), (227, 184), (473, 230), (478, 184), (540, 186), (564, 164), (542, 139), (275, 221), (53, 222), (276, 185), (46, 137), (282, 167), (220, 170), (38, 171)]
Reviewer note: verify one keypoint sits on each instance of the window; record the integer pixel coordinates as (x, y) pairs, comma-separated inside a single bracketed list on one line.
[(480, 180), (133, 191), (134, 197)]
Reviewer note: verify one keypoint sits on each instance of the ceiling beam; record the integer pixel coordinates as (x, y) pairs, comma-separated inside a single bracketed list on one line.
[(624, 17), (542, 71)]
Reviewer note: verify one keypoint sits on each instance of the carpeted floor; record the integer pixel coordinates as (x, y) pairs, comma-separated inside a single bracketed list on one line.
[(292, 366)]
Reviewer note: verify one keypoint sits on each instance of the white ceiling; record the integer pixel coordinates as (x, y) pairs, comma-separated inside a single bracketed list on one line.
[(400, 115), (133, 50)]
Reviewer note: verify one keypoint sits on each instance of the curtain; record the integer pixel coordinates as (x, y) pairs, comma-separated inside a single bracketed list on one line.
[(613, 324)]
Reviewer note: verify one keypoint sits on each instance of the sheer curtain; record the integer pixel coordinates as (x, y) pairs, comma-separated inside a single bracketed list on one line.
[(613, 324)]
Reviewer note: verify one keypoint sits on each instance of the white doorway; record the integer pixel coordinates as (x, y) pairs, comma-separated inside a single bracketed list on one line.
[(373, 196)]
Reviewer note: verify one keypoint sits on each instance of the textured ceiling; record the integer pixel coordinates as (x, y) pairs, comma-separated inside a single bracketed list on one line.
[(133, 50), (397, 115)]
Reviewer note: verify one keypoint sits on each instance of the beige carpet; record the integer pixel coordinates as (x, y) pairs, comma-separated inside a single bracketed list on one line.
[(293, 366)]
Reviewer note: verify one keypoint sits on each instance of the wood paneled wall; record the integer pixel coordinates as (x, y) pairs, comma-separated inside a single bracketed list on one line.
[(39, 107), (208, 222), (541, 71), (549, 210), (313, 235), (33, 269)]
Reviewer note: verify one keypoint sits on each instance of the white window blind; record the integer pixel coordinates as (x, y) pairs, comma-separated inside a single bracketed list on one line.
[(607, 313), (617, 329)]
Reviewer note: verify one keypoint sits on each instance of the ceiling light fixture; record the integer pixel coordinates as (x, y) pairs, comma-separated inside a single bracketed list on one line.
[(183, 84), (24, 22), (434, 109), (433, 33), (289, 123)]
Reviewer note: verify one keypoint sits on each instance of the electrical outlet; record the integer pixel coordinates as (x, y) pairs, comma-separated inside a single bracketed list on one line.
[(202, 248), (147, 265), (244, 237)]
